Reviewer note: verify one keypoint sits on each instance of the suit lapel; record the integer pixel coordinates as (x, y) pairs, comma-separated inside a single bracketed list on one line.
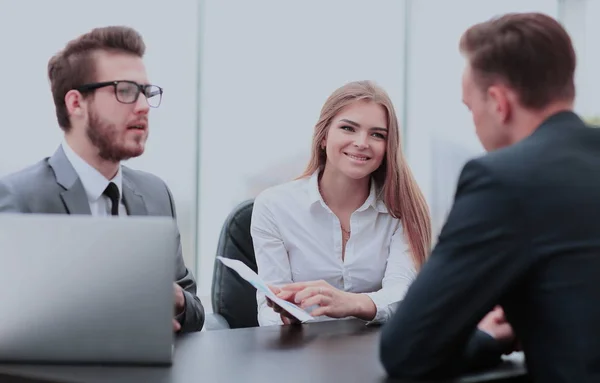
[(134, 202), (76, 200), (73, 196)]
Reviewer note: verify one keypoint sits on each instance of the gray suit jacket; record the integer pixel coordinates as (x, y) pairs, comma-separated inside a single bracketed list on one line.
[(53, 187)]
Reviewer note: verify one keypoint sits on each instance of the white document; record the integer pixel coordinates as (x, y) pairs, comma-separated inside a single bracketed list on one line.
[(246, 273)]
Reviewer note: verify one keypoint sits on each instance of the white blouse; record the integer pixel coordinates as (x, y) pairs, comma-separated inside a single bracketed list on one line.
[(297, 238)]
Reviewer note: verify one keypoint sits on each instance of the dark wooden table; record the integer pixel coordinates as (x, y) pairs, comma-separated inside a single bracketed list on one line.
[(334, 351)]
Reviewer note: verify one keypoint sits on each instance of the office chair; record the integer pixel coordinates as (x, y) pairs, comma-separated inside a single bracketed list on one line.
[(234, 299)]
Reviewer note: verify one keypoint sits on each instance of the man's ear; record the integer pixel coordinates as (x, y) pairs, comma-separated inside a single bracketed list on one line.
[(500, 99), (76, 105)]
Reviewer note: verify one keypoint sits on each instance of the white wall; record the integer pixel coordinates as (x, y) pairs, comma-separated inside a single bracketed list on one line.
[(441, 136), (32, 31), (267, 67), (580, 17), (589, 81)]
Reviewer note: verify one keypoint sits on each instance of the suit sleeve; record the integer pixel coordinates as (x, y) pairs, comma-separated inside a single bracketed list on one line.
[(481, 253), (192, 317)]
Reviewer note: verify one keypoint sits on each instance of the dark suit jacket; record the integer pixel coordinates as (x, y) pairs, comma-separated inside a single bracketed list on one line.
[(524, 232), (53, 187)]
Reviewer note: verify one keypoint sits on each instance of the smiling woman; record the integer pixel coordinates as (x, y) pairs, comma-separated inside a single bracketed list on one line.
[(348, 236)]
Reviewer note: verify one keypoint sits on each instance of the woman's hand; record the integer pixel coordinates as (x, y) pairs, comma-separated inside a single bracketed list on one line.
[(286, 317), (332, 302)]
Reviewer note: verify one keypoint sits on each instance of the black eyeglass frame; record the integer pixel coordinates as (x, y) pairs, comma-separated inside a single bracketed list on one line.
[(141, 88)]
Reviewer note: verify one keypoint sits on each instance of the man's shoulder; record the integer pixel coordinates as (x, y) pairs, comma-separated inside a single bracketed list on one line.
[(143, 180), (501, 160), (549, 143), (32, 189), (510, 168), (533, 164), (30, 179), (154, 189), (512, 162)]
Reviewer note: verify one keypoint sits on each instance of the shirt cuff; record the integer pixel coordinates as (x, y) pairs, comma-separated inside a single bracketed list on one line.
[(384, 309)]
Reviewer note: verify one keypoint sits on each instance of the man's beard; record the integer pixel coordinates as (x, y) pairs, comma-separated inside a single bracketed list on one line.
[(104, 137)]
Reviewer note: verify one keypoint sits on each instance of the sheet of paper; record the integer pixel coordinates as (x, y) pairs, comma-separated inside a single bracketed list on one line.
[(249, 275)]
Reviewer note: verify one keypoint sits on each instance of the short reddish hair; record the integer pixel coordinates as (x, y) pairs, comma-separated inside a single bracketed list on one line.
[(530, 52), (75, 65)]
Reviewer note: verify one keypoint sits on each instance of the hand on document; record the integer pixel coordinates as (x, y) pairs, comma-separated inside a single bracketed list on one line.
[(286, 317), (246, 273), (326, 299)]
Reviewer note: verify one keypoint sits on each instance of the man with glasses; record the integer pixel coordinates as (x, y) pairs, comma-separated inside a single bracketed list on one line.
[(102, 97)]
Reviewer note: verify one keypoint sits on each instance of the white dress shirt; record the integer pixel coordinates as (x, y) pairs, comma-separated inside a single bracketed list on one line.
[(298, 238), (95, 183)]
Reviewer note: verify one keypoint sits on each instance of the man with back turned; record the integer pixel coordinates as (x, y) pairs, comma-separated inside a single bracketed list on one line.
[(522, 240)]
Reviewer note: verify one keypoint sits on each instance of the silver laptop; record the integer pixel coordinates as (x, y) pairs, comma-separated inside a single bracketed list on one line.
[(83, 289)]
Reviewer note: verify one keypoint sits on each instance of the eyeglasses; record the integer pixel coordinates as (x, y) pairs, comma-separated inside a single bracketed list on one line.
[(128, 92)]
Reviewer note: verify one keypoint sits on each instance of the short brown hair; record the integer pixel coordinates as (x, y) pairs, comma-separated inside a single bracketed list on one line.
[(530, 52), (75, 64)]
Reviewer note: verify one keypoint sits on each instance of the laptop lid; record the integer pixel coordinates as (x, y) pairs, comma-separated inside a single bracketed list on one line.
[(83, 289)]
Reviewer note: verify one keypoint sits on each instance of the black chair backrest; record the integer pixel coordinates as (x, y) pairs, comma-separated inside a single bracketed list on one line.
[(233, 297)]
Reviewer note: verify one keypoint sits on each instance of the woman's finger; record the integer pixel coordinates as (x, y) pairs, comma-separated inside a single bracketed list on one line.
[(320, 300), (307, 293)]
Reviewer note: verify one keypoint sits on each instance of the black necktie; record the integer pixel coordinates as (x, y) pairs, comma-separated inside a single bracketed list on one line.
[(112, 192)]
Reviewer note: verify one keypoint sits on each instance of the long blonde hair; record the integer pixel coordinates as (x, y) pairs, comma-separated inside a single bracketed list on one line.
[(401, 194)]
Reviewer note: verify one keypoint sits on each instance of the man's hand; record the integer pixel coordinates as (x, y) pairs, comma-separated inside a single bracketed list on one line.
[(179, 305), (176, 325), (496, 325), (179, 299)]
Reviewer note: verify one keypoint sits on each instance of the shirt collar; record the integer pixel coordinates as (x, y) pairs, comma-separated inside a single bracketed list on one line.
[(372, 200), (93, 181)]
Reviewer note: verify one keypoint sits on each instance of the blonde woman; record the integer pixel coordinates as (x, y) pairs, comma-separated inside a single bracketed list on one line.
[(347, 237)]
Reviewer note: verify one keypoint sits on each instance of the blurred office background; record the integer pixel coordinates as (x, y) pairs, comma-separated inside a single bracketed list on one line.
[(245, 80)]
